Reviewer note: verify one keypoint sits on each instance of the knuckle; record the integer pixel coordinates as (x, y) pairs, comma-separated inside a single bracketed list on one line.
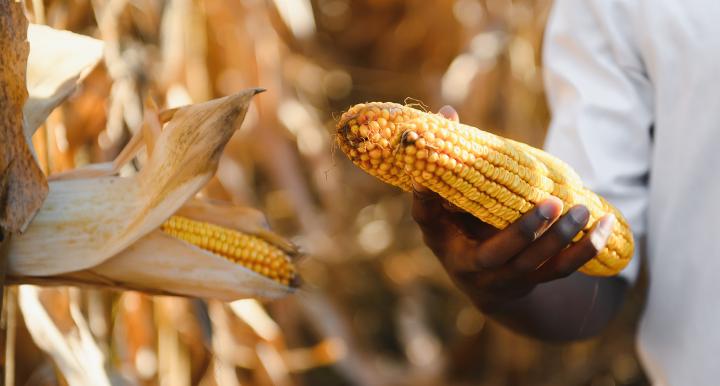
[(484, 258), (529, 229)]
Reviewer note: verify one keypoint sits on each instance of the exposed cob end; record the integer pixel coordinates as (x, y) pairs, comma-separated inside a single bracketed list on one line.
[(495, 179), (370, 135), (250, 251)]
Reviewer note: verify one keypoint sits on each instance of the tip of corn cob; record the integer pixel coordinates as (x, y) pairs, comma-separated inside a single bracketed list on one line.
[(249, 251), (370, 134), (494, 178)]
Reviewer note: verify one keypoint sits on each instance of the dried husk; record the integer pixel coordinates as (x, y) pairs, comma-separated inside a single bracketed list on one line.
[(99, 229), (84, 222)]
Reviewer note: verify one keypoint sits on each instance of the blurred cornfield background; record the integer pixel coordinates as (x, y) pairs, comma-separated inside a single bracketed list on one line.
[(375, 308)]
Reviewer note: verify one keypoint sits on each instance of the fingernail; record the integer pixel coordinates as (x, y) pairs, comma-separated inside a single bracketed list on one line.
[(579, 214), (606, 223), (602, 231), (448, 112), (420, 192), (546, 209), (419, 188)]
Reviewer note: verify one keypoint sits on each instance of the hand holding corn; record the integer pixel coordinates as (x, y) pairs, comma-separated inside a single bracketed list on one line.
[(497, 266), (507, 185)]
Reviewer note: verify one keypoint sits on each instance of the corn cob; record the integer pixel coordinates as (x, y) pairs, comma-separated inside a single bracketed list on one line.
[(247, 250), (494, 178)]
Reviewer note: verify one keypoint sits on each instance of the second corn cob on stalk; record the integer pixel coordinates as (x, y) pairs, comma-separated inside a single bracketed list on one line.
[(493, 178), (101, 229), (250, 251)]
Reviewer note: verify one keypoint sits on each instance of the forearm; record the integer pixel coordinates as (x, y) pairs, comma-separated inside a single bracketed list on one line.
[(577, 307)]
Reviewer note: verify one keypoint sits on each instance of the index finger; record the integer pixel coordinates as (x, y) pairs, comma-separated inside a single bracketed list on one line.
[(433, 218)]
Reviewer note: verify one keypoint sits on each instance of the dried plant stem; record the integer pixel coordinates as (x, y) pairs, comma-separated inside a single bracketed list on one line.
[(173, 356), (4, 250), (73, 349), (11, 335), (39, 13)]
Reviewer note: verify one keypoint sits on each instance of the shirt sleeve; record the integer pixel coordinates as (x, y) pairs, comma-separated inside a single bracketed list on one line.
[(601, 102)]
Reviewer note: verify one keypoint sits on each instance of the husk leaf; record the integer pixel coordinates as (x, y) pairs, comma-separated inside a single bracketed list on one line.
[(86, 221), (73, 56)]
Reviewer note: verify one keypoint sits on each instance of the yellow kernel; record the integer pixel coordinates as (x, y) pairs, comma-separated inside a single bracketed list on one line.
[(364, 131), (224, 242)]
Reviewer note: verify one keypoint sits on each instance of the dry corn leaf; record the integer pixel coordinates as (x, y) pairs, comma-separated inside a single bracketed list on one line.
[(77, 355), (86, 221), (26, 186), (73, 56)]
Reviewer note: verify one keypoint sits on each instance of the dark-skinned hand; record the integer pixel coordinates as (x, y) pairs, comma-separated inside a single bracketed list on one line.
[(494, 267)]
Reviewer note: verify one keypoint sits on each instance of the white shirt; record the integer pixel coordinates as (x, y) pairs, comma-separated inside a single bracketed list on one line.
[(634, 86)]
